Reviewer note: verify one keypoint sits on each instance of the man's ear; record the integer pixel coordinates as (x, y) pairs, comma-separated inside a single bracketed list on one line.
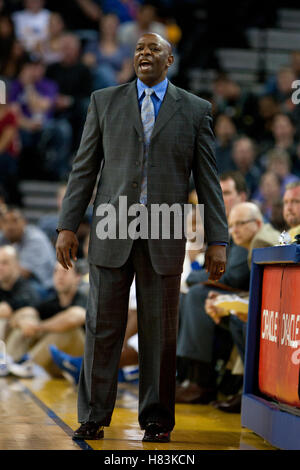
[(170, 60)]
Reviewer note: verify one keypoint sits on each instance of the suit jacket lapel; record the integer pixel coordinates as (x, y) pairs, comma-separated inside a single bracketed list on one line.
[(169, 106), (132, 105)]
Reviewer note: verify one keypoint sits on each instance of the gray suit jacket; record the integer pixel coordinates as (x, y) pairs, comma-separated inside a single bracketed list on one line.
[(112, 145)]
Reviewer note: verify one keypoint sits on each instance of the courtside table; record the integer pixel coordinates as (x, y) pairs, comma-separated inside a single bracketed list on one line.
[(271, 395)]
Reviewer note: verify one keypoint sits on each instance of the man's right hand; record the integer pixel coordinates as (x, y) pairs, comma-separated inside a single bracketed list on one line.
[(66, 248)]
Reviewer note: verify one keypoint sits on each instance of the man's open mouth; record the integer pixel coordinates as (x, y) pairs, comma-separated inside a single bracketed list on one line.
[(145, 65)]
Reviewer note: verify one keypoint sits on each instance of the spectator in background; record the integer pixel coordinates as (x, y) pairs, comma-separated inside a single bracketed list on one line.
[(291, 208), (58, 320), (130, 32), (31, 23), (12, 53), (225, 131), (34, 96), (234, 189), (196, 356), (9, 150), (80, 16), (285, 79), (268, 193), (279, 162), (248, 231), (295, 63), (110, 63), (49, 50), (126, 10), (35, 252), (283, 133), (74, 81), (277, 219), (280, 87), (244, 160), (7, 38), (273, 182), (15, 291), (10, 68), (267, 109), (240, 105)]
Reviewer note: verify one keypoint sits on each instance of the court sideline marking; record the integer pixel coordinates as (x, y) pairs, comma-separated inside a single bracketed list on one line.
[(82, 444)]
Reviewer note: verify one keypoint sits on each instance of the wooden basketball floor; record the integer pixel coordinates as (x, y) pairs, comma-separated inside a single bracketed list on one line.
[(40, 414)]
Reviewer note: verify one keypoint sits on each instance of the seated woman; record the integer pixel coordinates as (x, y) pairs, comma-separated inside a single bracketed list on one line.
[(110, 62), (48, 50)]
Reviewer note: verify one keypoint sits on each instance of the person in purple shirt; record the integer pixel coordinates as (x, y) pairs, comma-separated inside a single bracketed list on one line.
[(34, 97)]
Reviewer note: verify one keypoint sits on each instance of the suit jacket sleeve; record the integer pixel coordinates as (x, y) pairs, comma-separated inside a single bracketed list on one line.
[(84, 172), (207, 182)]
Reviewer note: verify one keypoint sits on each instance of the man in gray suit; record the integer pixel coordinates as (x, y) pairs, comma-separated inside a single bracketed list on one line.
[(116, 143)]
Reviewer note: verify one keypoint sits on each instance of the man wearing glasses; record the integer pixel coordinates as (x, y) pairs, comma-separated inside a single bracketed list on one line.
[(248, 230), (199, 331)]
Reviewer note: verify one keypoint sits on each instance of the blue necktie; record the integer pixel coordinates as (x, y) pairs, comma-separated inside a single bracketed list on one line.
[(148, 120)]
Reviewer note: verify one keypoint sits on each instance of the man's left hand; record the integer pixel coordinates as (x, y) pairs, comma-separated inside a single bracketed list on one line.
[(215, 261)]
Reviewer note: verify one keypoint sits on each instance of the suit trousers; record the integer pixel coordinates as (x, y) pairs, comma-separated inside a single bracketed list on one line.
[(157, 313)]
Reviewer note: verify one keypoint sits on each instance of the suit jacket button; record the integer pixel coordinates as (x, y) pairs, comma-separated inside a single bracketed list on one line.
[(134, 184)]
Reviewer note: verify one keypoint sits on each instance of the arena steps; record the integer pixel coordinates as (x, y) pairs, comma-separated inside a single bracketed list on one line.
[(39, 198)]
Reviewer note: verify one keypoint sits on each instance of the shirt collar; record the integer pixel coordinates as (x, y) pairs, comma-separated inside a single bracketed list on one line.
[(159, 89)]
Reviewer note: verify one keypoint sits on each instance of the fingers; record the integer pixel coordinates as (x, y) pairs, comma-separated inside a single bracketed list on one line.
[(215, 261), (215, 268), (63, 257), (74, 252), (212, 294), (66, 248)]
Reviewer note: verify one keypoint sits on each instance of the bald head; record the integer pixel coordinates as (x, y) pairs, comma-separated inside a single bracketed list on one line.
[(9, 266), (248, 208), (160, 38), (9, 251), (245, 220)]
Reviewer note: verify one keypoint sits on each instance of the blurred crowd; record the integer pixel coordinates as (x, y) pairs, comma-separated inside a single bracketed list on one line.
[(52, 56)]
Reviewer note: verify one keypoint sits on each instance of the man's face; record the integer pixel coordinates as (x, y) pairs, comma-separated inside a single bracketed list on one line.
[(243, 153), (283, 128), (291, 207), (34, 5), (70, 49), (230, 195), (65, 280), (9, 267), (242, 226), (13, 225), (152, 58)]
